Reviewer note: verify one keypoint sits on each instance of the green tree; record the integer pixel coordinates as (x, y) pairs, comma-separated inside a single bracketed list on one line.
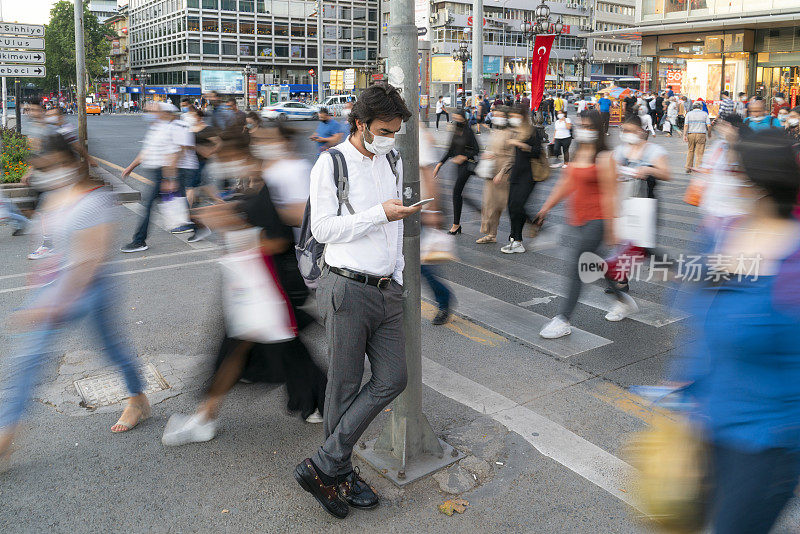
[(60, 46)]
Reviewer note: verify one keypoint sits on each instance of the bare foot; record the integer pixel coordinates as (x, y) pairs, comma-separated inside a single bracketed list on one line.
[(137, 410), (6, 440)]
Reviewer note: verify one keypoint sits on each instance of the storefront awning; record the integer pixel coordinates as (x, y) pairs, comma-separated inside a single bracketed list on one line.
[(683, 25)]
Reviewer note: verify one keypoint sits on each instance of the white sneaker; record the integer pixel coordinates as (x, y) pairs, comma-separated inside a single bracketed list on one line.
[(557, 327), (39, 253), (555, 165), (183, 429), (622, 309), (513, 247), (315, 417)]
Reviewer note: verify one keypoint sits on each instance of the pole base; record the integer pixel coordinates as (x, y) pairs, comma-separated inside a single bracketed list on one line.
[(416, 468)]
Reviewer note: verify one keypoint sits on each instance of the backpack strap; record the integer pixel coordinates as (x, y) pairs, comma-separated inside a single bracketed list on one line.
[(341, 180), (393, 157)]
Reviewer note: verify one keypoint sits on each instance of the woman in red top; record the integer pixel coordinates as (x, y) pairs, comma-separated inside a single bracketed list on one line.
[(590, 183)]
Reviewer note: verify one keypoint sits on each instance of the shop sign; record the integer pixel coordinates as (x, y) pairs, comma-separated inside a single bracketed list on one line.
[(674, 79), (794, 96)]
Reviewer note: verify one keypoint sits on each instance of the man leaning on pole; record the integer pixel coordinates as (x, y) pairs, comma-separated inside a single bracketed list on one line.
[(360, 292)]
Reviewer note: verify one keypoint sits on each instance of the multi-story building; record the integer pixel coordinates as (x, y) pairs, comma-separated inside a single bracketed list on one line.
[(702, 47), (103, 9), (506, 63), (185, 46), (120, 67)]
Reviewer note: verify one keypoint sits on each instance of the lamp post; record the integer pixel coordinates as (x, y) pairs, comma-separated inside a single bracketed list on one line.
[(463, 55), (583, 57), (540, 25), (144, 78)]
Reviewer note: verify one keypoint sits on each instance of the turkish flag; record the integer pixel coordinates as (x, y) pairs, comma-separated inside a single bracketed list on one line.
[(541, 56)]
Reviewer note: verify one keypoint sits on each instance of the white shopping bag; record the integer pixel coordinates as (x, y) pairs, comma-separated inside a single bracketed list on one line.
[(485, 168), (255, 305), (667, 126), (175, 211), (436, 246), (637, 223)]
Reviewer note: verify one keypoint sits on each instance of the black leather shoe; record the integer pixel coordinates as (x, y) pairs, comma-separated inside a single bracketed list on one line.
[(356, 492), (327, 496), (442, 316)]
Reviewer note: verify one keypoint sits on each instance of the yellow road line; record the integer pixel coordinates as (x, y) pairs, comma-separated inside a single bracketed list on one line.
[(466, 328), (117, 167), (631, 404)]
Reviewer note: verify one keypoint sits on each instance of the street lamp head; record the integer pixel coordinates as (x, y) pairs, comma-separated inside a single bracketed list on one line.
[(525, 27), (542, 11), (543, 26), (583, 51), (467, 32), (559, 26)]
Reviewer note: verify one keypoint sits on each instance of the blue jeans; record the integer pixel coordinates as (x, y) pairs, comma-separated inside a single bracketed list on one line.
[(440, 291), (156, 176), (18, 220), (33, 348)]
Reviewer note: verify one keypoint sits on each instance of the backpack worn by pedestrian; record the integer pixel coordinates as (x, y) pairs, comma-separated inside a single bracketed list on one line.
[(310, 252)]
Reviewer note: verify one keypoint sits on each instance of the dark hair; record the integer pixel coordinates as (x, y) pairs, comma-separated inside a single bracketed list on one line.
[(232, 100), (197, 111), (186, 100), (742, 93), (633, 120), (381, 102), (735, 120), (596, 124), (796, 109), (725, 93), (770, 161), (323, 110), (235, 139), (254, 116), (519, 109)]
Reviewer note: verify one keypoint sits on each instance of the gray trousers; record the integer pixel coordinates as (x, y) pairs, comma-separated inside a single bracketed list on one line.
[(359, 319)]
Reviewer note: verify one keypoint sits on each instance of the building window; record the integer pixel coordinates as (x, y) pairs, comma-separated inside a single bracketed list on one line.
[(345, 52), (193, 4), (345, 13), (246, 6), (311, 52), (311, 31), (229, 26), (297, 10), (297, 51), (228, 49), (372, 54), (281, 29), (359, 13), (210, 25), (248, 28), (193, 77), (228, 5), (264, 28), (247, 49), (372, 34), (210, 47), (282, 50), (359, 32), (209, 4), (280, 9), (193, 24), (298, 30), (345, 32), (621, 70), (359, 53), (266, 51), (193, 46), (330, 32)]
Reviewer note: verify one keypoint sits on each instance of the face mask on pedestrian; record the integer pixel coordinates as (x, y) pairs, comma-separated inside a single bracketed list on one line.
[(514, 121), (269, 152), (560, 116), (379, 145), (782, 117), (630, 138), (55, 178), (499, 121), (221, 170), (346, 112), (583, 135), (184, 109)]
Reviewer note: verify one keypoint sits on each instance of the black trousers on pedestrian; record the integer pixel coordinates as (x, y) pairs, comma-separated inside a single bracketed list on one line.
[(464, 171), (518, 193), (606, 117), (438, 115), (562, 145)]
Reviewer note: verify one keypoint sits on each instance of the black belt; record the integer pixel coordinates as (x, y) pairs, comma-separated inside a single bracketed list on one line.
[(381, 282)]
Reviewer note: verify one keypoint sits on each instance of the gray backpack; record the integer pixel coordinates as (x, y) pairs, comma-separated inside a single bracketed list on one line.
[(310, 252)]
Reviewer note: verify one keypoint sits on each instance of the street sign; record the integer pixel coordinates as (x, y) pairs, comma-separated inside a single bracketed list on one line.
[(31, 30), (23, 71), (14, 56), (27, 43)]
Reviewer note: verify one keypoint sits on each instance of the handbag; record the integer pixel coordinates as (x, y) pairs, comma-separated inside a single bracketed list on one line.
[(436, 246), (637, 222), (694, 192), (174, 210), (485, 168), (671, 481), (254, 303), (540, 167)]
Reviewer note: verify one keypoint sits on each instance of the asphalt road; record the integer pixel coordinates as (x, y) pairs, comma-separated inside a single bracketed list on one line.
[(545, 424)]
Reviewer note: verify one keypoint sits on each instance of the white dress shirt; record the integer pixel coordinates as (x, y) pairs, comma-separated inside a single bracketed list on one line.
[(162, 140), (365, 241)]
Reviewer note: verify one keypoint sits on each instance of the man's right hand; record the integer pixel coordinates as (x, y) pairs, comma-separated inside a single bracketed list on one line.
[(395, 210), (127, 172)]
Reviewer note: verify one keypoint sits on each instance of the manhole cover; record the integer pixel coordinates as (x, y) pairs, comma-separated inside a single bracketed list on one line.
[(109, 388)]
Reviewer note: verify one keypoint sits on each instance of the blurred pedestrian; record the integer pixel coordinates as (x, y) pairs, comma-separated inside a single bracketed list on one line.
[(590, 184), (646, 118), (328, 132), (778, 103), (526, 139), (498, 157), (463, 151), (562, 139), (757, 118), (741, 371), (793, 124), (163, 148), (441, 109), (604, 105), (252, 122), (79, 283), (360, 293)]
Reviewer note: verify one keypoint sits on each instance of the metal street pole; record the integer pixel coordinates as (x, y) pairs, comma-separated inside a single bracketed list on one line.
[(464, 84), (477, 49), (80, 74), (319, 51), (109, 84), (18, 105), (407, 448), (5, 87)]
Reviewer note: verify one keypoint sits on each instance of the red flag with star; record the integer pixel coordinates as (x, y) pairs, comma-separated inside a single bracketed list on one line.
[(541, 56)]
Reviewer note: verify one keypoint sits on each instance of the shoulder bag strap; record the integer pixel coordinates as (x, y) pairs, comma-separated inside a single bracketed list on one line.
[(341, 179)]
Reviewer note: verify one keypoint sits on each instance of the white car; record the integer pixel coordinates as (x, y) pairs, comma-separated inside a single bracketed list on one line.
[(290, 111)]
